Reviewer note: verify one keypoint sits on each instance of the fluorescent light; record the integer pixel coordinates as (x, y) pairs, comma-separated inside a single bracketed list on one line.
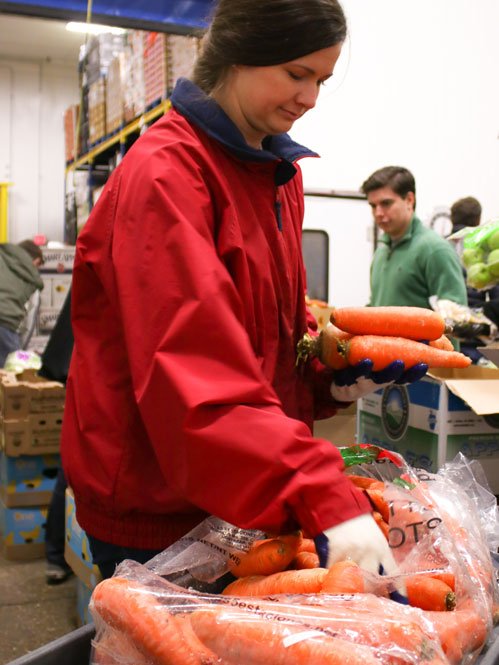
[(93, 28)]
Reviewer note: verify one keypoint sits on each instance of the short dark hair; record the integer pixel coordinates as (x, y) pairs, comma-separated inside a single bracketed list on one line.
[(397, 178), (32, 248), (261, 33), (465, 212)]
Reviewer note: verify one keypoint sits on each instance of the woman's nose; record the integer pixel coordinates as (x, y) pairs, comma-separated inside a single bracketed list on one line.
[(307, 97)]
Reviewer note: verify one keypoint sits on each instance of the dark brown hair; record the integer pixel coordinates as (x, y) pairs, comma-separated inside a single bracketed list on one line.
[(397, 178), (32, 248), (466, 212), (260, 33)]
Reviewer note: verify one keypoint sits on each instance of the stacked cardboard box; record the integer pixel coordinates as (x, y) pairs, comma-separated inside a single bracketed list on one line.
[(70, 131), (134, 85), (30, 424), (155, 70), (182, 52), (114, 94), (79, 558), (56, 275), (97, 110)]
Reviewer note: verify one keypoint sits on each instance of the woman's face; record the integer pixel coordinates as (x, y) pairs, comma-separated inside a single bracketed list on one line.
[(268, 100)]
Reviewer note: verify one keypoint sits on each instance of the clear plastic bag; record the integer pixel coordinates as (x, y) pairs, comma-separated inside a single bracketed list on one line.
[(442, 524), (479, 251), (141, 618)]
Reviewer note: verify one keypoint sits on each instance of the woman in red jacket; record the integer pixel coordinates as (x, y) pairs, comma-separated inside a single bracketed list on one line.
[(183, 397)]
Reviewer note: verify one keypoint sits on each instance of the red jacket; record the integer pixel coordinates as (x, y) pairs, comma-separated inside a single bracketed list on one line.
[(188, 300)]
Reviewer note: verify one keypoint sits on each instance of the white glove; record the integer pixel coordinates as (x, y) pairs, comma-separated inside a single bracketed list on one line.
[(359, 539)]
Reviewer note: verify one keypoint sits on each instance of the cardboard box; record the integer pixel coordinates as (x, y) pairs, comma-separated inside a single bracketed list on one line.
[(15, 437), (23, 532), (83, 595), (77, 548), (58, 260), (431, 420), (341, 429), (491, 352), (27, 480), (14, 398)]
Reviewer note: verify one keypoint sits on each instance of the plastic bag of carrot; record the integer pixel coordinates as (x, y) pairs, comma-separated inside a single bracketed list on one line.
[(283, 608), (141, 618)]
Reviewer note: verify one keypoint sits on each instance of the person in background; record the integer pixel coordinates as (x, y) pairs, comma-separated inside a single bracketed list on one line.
[(19, 279), (412, 262), (55, 365), (463, 213), (188, 300)]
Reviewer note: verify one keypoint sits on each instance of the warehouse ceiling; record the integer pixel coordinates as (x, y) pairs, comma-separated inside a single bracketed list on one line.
[(27, 38)]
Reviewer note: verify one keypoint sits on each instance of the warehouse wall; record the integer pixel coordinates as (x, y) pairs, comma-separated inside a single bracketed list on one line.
[(34, 96), (416, 85)]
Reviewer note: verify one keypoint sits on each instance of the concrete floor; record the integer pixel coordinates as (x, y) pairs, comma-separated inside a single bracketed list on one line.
[(32, 613)]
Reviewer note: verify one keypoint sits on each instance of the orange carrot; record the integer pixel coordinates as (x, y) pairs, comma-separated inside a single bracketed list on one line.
[(379, 503), (428, 593), (443, 343), (307, 545), (385, 529), (261, 641), (307, 580), (447, 577), (344, 577), (364, 482), (409, 322), (384, 350), (267, 556), (327, 346), (461, 632), (133, 610), (305, 560)]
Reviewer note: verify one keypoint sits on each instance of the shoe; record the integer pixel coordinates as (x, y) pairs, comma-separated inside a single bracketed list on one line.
[(55, 574)]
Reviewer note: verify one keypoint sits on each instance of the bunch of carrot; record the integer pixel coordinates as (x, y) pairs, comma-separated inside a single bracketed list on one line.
[(172, 626), (383, 334), (285, 609)]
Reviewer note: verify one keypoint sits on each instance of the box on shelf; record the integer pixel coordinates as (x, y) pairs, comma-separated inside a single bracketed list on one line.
[(55, 290), (23, 532), (77, 548), (431, 420), (27, 480), (58, 259), (70, 131)]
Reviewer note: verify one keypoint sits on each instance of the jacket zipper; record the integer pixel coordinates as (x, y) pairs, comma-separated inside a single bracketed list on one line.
[(278, 208)]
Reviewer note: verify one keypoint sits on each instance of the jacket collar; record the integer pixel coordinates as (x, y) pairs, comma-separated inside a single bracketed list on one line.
[(203, 111)]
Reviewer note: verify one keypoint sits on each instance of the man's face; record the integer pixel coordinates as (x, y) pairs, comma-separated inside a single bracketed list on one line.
[(391, 212)]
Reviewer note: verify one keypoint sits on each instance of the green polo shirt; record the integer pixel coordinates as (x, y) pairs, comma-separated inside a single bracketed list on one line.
[(420, 265)]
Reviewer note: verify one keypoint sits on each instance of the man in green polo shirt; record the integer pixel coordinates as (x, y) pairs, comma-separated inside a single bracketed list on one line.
[(412, 262)]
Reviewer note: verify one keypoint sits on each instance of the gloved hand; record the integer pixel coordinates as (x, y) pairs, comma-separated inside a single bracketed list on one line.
[(359, 539), (354, 382)]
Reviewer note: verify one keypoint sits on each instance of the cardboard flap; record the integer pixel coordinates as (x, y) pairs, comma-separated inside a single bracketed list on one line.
[(477, 386), (491, 351)]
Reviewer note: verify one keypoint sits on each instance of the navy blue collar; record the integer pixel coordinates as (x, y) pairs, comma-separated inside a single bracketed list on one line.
[(203, 111)]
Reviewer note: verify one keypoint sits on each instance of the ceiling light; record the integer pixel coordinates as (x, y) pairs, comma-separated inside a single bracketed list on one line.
[(93, 28)]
